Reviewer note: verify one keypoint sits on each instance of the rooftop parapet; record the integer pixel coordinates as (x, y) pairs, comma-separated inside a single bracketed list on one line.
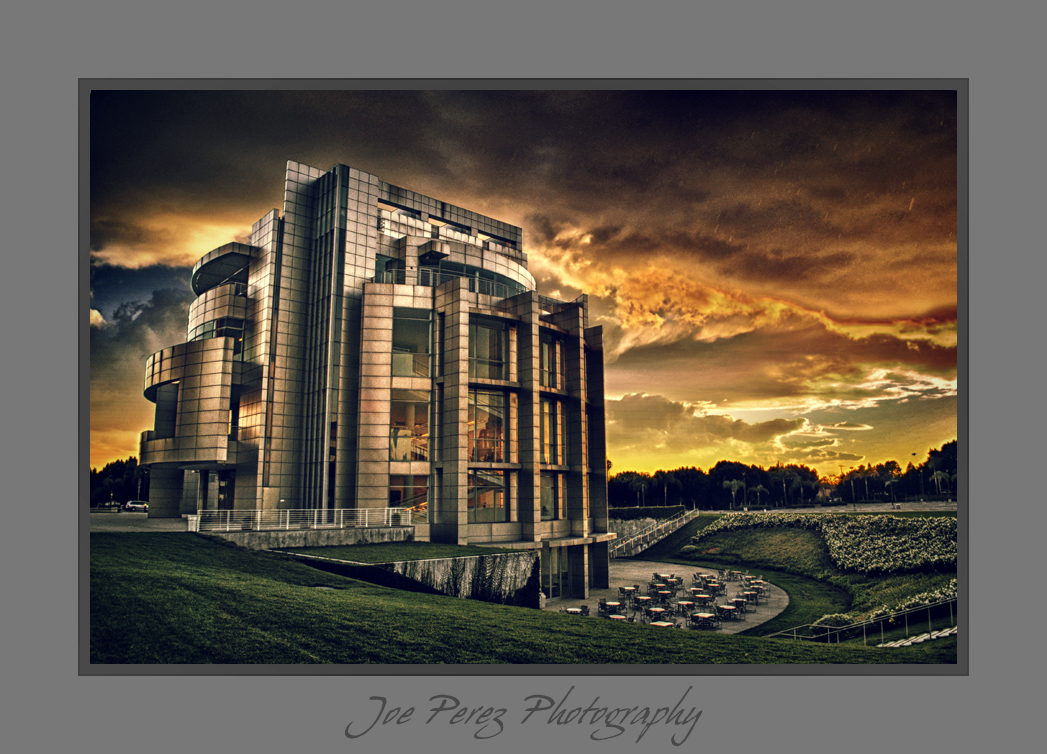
[(226, 264)]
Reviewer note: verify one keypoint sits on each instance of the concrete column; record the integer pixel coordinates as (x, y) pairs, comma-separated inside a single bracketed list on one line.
[(165, 492), (451, 522), (599, 565), (190, 502), (529, 416), (578, 557)]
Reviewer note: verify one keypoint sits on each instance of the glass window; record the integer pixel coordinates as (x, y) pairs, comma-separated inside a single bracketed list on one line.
[(550, 496), (487, 426), (550, 362), (553, 432), (487, 497), (410, 342), (410, 491), (409, 425), (556, 573), (488, 350)]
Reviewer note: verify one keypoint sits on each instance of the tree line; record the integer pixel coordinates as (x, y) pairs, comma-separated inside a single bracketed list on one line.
[(119, 482), (730, 485)]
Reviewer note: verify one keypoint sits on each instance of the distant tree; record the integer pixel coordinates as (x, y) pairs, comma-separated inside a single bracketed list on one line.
[(938, 477), (758, 489), (117, 481), (733, 485)]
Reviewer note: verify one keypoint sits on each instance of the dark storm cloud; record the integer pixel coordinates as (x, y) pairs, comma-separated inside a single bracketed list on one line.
[(113, 286), (138, 329), (690, 217), (645, 158), (118, 351)]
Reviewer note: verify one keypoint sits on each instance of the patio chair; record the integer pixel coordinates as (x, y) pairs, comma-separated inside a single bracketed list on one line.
[(585, 610)]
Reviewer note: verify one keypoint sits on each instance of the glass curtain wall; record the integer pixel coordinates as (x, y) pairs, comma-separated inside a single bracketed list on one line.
[(550, 496), (556, 573), (550, 362), (488, 350), (487, 426), (410, 491), (487, 499), (553, 432), (410, 342), (409, 425)]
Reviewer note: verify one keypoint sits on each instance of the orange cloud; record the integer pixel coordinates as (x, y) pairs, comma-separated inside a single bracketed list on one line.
[(165, 239)]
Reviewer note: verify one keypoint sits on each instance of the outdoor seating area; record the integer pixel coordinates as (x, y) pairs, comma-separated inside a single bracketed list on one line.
[(701, 601)]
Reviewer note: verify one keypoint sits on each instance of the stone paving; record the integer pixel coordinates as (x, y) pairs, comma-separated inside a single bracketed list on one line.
[(627, 572)]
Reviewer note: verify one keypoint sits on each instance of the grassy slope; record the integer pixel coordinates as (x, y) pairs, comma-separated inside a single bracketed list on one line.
[(173, 598), (797, 561)]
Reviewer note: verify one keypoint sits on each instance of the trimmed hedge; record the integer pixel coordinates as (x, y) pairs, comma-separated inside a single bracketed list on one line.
[(870, 545)]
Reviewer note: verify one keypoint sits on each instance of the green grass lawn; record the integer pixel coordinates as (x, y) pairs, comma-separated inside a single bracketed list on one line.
[(178, 598), (394, 552)]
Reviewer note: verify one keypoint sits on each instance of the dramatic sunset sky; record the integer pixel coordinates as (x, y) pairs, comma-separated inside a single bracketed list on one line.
[(775, 271)]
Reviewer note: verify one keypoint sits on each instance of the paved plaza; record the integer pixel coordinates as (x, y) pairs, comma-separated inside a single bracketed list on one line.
[(128, 521), (627, 572)]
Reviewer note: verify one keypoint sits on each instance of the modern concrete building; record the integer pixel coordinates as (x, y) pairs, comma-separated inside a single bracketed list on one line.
[(373, 348)]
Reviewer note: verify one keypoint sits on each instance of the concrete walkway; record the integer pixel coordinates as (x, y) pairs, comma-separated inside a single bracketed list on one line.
[(128, 521), (627, 572)]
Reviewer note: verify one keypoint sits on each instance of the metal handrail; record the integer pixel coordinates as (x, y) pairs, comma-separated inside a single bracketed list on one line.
[(826, 633), (300, 518), (645, 535)]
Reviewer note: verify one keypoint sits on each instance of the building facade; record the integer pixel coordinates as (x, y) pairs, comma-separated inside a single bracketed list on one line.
[(376, 348)]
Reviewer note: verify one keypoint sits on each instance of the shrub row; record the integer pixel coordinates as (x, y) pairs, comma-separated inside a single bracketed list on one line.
[(870, 545)]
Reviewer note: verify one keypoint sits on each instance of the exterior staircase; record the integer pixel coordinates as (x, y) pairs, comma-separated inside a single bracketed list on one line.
[(652, 534)]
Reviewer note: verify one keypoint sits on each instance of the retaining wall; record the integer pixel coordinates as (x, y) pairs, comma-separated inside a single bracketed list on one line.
[(501, 578), (627, 528), (276, 540)]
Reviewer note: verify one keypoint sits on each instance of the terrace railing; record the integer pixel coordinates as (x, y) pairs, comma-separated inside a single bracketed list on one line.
[(298, 518), (653, 533), (874, 627), (432, 277)]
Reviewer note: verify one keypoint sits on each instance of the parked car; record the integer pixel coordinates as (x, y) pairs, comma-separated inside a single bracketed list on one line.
[(136, 505)]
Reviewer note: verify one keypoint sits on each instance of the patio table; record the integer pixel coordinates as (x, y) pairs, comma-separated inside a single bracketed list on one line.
[(617, 617), (574, 610), (703, 620), (663, 623)]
